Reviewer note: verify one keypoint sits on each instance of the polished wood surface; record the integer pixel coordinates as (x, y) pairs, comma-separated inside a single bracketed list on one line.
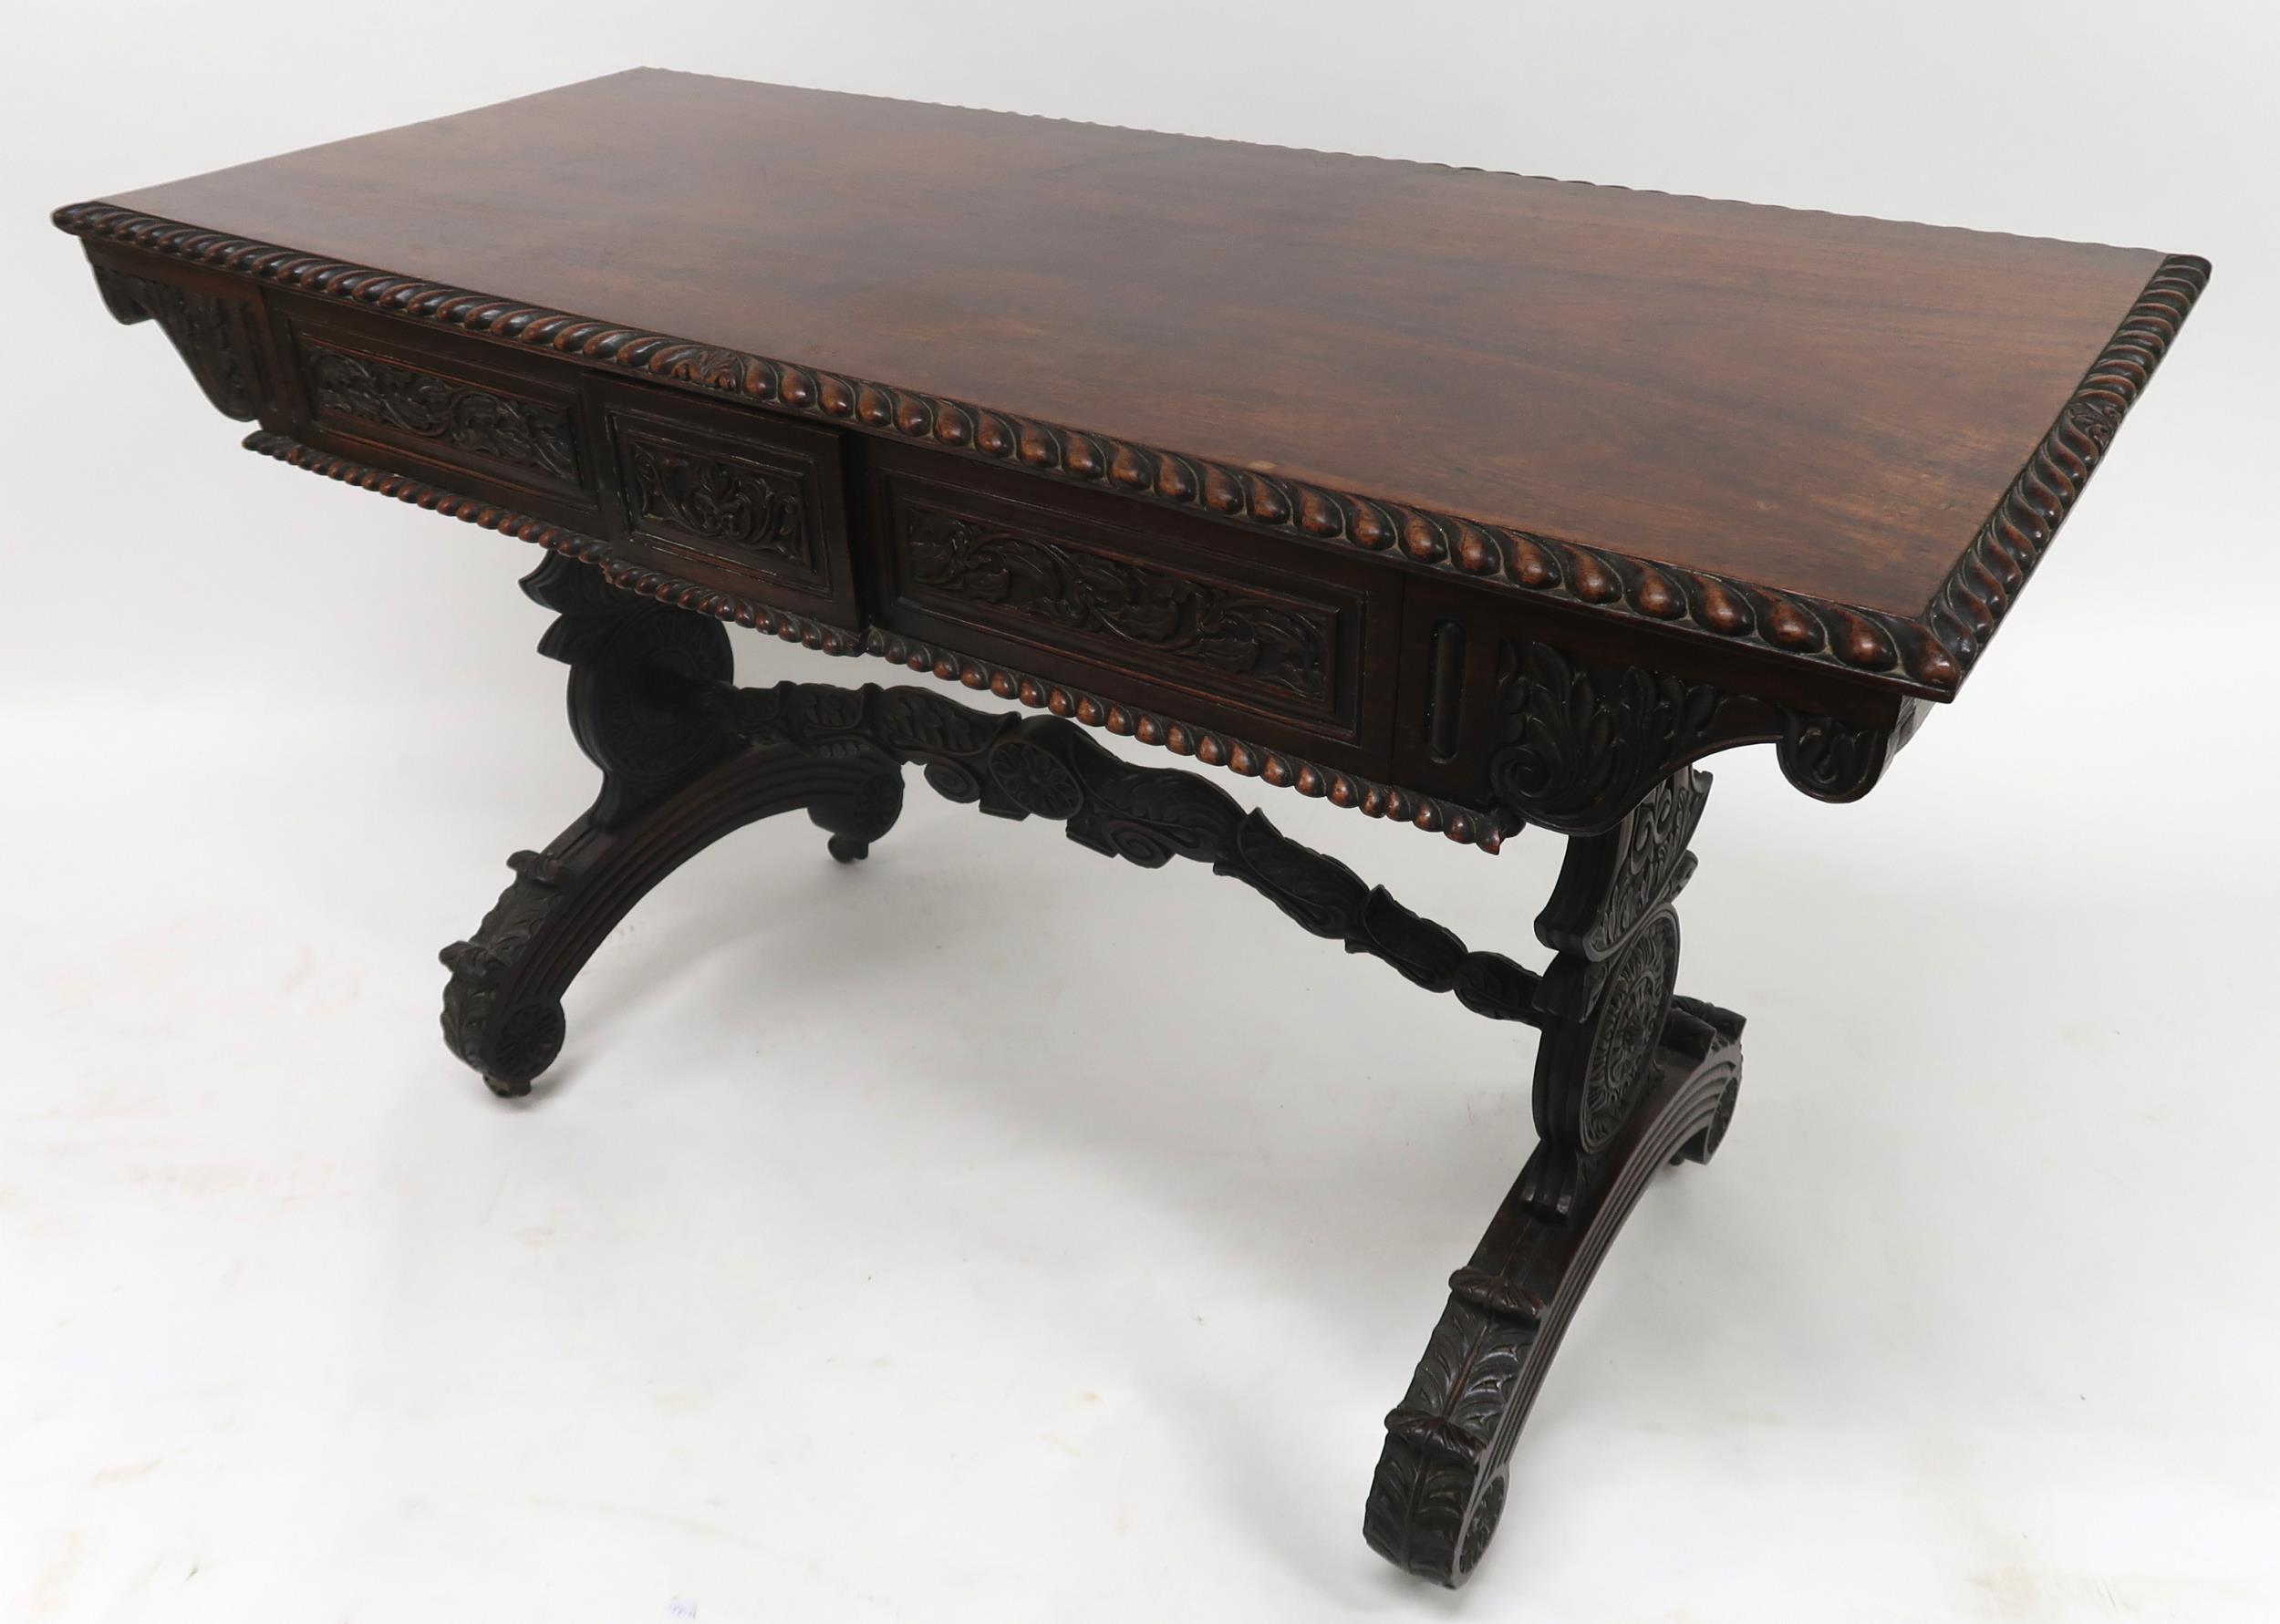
[(1473, 502), (1818, 405)]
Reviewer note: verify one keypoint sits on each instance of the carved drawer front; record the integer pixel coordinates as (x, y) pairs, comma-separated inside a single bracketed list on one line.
[(730, 497), (518, 431), (1138, 604)]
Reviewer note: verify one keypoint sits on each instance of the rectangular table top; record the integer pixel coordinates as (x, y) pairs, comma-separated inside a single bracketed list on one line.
[(1797, 430)]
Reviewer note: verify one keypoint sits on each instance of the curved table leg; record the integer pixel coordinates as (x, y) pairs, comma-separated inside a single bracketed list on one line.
[(503, 1007), (1441, 1478), (673, 781), (1628, 1077)]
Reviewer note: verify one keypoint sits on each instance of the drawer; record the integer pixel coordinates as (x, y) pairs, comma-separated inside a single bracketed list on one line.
[(1275, 642), (377, 391), (728, 497)]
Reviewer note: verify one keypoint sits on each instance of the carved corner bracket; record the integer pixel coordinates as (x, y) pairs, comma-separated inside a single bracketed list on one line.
[(211, 332), (1580, 742)]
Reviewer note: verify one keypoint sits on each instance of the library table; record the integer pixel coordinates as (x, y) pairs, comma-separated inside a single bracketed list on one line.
[(1468, 500)]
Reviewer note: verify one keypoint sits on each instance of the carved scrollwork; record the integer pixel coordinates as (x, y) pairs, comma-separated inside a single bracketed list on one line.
[(527, 434), (1045, 767), (1832, 759), (1239, 633), (209, 333), (674, 778), (1629, 1075), (1285, 771), (732, 504), (623, 657), (1580, 742), (1610, 883)]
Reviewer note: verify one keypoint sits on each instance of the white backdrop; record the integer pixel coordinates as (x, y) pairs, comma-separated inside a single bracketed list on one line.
[(954, 1237)]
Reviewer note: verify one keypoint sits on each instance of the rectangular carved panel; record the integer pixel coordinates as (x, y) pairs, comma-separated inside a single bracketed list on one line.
[(726, 497), (1070, 591), (1127, 600), (452, 419), (735, 507)]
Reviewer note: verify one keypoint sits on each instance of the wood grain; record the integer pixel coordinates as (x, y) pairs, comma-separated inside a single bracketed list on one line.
[(1810, 404)]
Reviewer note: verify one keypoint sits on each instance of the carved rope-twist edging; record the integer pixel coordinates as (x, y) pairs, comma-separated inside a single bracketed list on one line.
[(1929, 656), (1460, 823), (1046, 767), (637, 578), (1964, 611)]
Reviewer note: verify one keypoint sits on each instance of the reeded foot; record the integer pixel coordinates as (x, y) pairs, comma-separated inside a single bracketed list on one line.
[(1442, 1479), (503, 1008)]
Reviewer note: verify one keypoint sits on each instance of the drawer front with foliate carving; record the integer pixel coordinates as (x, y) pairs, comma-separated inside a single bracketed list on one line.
[(733, 498), (1021, 572), (509, 431)]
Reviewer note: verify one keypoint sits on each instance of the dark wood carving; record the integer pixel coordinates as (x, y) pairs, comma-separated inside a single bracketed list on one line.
[(1543, 678), (1579, 742), (673, 781), (1229, 630), (1930, 656), (209, 333), (1434, 814), (736, 505), (687, 757), (1442, 1480), (628, 575), (1044, 767), (1628, 1076), (465, 416)]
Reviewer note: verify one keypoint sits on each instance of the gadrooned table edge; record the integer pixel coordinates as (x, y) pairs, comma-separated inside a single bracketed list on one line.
[(1927, 654)]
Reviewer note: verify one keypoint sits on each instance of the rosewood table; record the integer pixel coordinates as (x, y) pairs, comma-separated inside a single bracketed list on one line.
[(1469, 501)]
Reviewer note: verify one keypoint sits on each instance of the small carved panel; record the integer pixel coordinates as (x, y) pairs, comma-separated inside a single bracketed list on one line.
[(722, 503), (458, 420), (735, 494), (1044, 582)]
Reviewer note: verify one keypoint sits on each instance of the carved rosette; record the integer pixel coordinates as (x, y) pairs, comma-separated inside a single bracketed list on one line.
[(1620, 1052), (1045, 767)]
